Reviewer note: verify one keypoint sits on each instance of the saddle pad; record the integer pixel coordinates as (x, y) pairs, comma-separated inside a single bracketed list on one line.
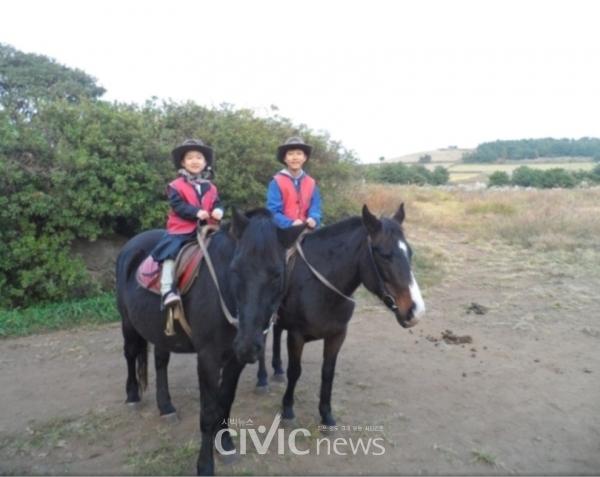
[(187, 266)]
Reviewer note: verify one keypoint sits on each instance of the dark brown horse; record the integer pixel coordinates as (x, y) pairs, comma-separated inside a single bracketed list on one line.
[(248, 256), (360, 250)]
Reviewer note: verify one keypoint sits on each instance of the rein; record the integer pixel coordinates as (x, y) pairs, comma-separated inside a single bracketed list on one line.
[(231, 319), (234, 321), (321, 278), (387, 299)]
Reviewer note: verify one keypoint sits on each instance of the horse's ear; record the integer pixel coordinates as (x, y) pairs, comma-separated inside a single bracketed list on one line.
[(399, 215), (239, 222), (372, 223), (288, 236)]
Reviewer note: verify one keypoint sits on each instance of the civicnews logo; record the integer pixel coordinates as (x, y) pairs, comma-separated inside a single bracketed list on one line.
[(324, 445)]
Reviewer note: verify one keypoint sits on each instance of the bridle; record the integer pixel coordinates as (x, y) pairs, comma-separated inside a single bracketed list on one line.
[(231, 319), (388, 300)]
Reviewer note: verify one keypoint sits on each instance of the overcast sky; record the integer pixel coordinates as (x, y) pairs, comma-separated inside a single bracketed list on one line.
[(384, 77)]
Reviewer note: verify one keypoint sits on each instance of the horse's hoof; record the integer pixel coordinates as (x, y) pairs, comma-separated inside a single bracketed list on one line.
[(229, 459), (134, 406), (288, 423), (172, 418), (279, 378), (261, 389)]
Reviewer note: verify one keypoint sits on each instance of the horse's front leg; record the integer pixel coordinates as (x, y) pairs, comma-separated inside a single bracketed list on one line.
[(229, 381), (163, 397), (211, 414), (278, 372), (331, 349), (295, 344), (262, 382)]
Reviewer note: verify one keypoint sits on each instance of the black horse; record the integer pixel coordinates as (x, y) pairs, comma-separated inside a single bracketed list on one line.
[(360, 250), (249, 261)]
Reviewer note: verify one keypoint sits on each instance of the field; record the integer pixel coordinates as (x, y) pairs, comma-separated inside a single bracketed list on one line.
[(500, 377), (467, 173)]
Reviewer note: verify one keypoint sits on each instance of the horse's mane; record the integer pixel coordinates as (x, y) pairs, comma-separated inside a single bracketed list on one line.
[(390, 226), (260, 236), (338, 228), (259, 212), (350, 224)]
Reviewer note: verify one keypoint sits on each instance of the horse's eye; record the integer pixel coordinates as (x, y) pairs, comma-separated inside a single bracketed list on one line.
[(386, 255)]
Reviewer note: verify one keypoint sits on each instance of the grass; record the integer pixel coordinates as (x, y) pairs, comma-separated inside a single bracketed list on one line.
[(484, 456), (44, 318), (94, 427), (468, 173), (166, 458), (545, 220), (509, 168), (427, 265)]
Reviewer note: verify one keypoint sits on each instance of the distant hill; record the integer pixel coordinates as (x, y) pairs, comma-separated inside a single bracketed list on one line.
[(440, 156)]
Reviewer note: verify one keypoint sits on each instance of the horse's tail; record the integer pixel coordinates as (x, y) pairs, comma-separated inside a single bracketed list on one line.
[(142, 365)]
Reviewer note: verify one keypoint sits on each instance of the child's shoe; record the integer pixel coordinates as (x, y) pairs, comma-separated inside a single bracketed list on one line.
[(170, 299)]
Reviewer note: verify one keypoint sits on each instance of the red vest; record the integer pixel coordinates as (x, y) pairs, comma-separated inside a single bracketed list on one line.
[(295, 205), (177, 225)]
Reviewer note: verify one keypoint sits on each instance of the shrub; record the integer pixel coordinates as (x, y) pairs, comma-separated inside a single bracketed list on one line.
[(498, 179)]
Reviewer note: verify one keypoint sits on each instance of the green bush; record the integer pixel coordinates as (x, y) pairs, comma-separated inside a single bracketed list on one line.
[(400, 173), (498, 179), (63, 315), (90, 169), (526, 177)]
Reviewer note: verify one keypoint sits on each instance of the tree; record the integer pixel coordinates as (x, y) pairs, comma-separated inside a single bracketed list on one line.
[(27, 80), (557, 177), (498, 179), (440, 176), (594, 174), (74, 167), (526, 177), (534, 148)]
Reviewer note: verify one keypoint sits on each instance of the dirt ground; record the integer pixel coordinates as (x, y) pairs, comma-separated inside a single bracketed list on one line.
[(514, 388)]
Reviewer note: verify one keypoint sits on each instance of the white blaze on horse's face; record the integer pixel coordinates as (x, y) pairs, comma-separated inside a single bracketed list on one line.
[(415, 291)]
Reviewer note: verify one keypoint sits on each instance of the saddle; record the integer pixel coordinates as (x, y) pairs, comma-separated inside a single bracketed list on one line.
[(187, 265)]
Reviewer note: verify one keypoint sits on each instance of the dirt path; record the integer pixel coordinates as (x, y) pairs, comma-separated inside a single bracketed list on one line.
[(522, 397)]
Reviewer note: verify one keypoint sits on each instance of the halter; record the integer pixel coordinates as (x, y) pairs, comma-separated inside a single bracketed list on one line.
[(387, 299), (232, 320)]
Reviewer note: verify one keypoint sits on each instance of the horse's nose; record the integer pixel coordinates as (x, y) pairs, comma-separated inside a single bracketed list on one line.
[(411, 318), (249, 352)]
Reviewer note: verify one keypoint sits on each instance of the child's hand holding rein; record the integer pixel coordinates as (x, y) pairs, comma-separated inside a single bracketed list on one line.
[(217, 214), (202, 214)]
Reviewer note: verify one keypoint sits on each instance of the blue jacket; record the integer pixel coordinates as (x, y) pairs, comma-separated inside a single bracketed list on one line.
[(276, 206)]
